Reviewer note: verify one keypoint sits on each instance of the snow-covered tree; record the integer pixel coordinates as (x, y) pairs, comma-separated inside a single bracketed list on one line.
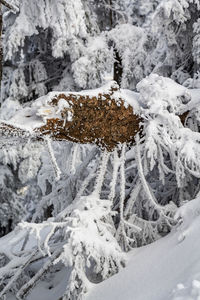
[(173, 31), (79, 208), (41, 40), (122, 199)]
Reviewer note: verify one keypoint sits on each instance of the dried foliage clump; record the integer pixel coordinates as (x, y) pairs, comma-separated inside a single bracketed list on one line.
[(100, 119), (104, 119)]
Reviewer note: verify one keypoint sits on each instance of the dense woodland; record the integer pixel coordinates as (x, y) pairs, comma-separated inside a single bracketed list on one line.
[(76, 207)]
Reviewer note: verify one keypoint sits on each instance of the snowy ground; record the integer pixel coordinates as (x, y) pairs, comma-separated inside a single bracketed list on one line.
[(165, 270), (168, 269), (49, 289)]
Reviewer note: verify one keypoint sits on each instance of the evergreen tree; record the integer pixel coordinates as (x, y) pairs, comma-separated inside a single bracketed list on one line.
[(79, 207)]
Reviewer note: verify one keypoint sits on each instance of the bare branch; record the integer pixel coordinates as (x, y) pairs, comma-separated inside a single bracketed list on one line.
[(6, 4)]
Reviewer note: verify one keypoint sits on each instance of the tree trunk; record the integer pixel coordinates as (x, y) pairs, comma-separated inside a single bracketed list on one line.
[(118, 70)]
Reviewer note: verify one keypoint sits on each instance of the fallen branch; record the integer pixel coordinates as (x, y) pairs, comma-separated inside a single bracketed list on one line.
[(103, 117)]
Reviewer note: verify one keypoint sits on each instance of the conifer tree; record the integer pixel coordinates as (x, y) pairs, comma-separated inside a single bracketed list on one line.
[(79, 207)]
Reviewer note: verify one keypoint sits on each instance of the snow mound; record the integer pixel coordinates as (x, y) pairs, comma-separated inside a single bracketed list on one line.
[(165, 270)]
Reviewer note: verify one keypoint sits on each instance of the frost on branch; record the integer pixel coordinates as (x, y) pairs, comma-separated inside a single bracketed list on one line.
[(169, 146), (102, 116), (80, 238), (107, 116), (122, 199)]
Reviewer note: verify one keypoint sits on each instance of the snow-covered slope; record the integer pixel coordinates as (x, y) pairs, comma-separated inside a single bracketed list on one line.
[(165, 270)]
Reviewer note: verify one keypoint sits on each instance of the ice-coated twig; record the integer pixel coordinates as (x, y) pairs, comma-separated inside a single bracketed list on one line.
[(74, 157), (25, 289), (123, 224), (149, 194), (53, 159), (68, 209), (123, 182), (159, 208), (26, 262), (101, 173), (68, 180), (133, 196), (116, 163), (122, 191)]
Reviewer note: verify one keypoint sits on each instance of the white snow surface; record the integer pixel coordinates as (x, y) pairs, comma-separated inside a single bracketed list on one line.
[(35, 116), (168, 269), (30, 118)]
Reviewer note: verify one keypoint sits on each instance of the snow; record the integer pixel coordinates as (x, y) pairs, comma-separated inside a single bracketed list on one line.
[(195, 96), (35, 116), (131, 98), (159, 94), (170, 256), (102, 204), (168, 269), (51, 289), (26, 119), (9, 108), (164, 270)]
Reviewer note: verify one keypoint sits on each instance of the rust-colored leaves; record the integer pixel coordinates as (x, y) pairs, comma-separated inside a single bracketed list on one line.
[(100, 119)]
